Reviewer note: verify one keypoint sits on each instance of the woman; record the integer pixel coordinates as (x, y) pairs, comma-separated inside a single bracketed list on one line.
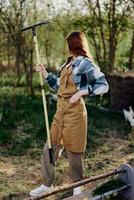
[(78, 77)]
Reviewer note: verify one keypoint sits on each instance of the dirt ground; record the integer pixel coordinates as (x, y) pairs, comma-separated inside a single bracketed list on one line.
[(20, 174)]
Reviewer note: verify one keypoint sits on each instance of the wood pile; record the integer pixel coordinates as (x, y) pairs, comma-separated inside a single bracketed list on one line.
[(121, 90)]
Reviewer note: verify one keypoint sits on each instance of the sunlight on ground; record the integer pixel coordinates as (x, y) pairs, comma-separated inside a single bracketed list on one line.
[(22, 173), (7, 170)]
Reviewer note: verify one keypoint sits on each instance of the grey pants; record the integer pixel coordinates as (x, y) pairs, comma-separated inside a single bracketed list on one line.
[(48, 169)]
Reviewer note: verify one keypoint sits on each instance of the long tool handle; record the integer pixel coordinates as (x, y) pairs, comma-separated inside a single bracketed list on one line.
[(43, 93)]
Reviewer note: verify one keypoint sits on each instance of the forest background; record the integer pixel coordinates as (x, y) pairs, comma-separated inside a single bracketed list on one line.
[(109, 27)]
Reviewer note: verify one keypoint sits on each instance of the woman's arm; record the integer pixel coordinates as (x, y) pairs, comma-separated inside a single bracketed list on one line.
[(94, 81), (97, 84), (53, 81), (100, 87), (50, 78)]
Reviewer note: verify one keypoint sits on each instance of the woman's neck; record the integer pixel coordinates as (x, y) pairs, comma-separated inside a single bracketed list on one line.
[(75, 57)]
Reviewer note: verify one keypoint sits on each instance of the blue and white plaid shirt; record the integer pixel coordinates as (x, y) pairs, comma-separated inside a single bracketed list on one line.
[(86, 75)]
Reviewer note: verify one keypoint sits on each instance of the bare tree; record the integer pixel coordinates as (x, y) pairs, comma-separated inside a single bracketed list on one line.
[(12, 18), (109, 18), (131, 55), (64, 21)]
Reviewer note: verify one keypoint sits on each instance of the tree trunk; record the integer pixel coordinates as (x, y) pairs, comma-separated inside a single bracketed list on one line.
[(97, 52), (26, 73), (8, 58), (17, 63), (102, 32), (18, 54), (131, 55), (31, 72), (112, 52), (112, 38), (47, 50)]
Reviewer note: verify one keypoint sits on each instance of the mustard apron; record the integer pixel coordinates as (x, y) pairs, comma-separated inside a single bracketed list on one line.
[(69, 126)]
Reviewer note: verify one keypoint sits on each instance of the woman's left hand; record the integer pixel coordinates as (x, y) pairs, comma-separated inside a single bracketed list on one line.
[(75, 97)]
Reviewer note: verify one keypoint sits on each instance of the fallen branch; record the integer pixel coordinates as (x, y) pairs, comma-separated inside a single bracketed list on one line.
[(76, 184)]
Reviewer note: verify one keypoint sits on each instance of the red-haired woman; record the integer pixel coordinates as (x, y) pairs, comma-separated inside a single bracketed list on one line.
[(79, 76)]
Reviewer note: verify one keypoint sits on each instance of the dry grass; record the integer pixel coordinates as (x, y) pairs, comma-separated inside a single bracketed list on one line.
[(20, 174)]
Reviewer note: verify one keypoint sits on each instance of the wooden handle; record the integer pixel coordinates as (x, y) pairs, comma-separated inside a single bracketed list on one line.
[(43, 93)]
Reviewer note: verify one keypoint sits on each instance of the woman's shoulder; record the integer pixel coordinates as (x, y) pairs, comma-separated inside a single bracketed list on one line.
[(86, 64), (89, 62)]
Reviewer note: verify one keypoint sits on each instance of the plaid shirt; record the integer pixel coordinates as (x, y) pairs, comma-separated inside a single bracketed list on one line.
[(86, 75)]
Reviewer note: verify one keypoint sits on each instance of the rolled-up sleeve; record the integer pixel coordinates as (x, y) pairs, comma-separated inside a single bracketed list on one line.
[(97, 83), (98, 87), (53, 81)]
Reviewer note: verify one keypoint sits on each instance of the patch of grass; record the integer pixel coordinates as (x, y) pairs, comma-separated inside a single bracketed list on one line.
[(23, 117), (109, 185), (23, 123), (22, 120), (5, 136)]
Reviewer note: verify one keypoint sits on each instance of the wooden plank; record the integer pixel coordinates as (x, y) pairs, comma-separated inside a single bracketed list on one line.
[(76, 184)]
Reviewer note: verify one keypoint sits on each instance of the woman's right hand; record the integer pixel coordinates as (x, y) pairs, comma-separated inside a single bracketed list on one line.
[(42, 69)]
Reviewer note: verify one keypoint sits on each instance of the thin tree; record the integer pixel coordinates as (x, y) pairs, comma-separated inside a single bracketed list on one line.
[(131, 54), (109, 19), (12, 18)]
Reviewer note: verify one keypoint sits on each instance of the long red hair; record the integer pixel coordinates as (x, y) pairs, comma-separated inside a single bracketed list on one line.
[(78, 45)]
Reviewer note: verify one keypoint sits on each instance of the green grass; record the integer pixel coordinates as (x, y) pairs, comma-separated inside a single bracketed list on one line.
[(23, 127), (22, 119), (109, 185), (23, 122), (22, 136)]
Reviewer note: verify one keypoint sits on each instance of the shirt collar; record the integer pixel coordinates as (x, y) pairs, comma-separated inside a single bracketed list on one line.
[(77, 60)]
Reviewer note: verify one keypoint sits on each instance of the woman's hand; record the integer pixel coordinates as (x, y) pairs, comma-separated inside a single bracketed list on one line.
[(41, 68), (77, 96)]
